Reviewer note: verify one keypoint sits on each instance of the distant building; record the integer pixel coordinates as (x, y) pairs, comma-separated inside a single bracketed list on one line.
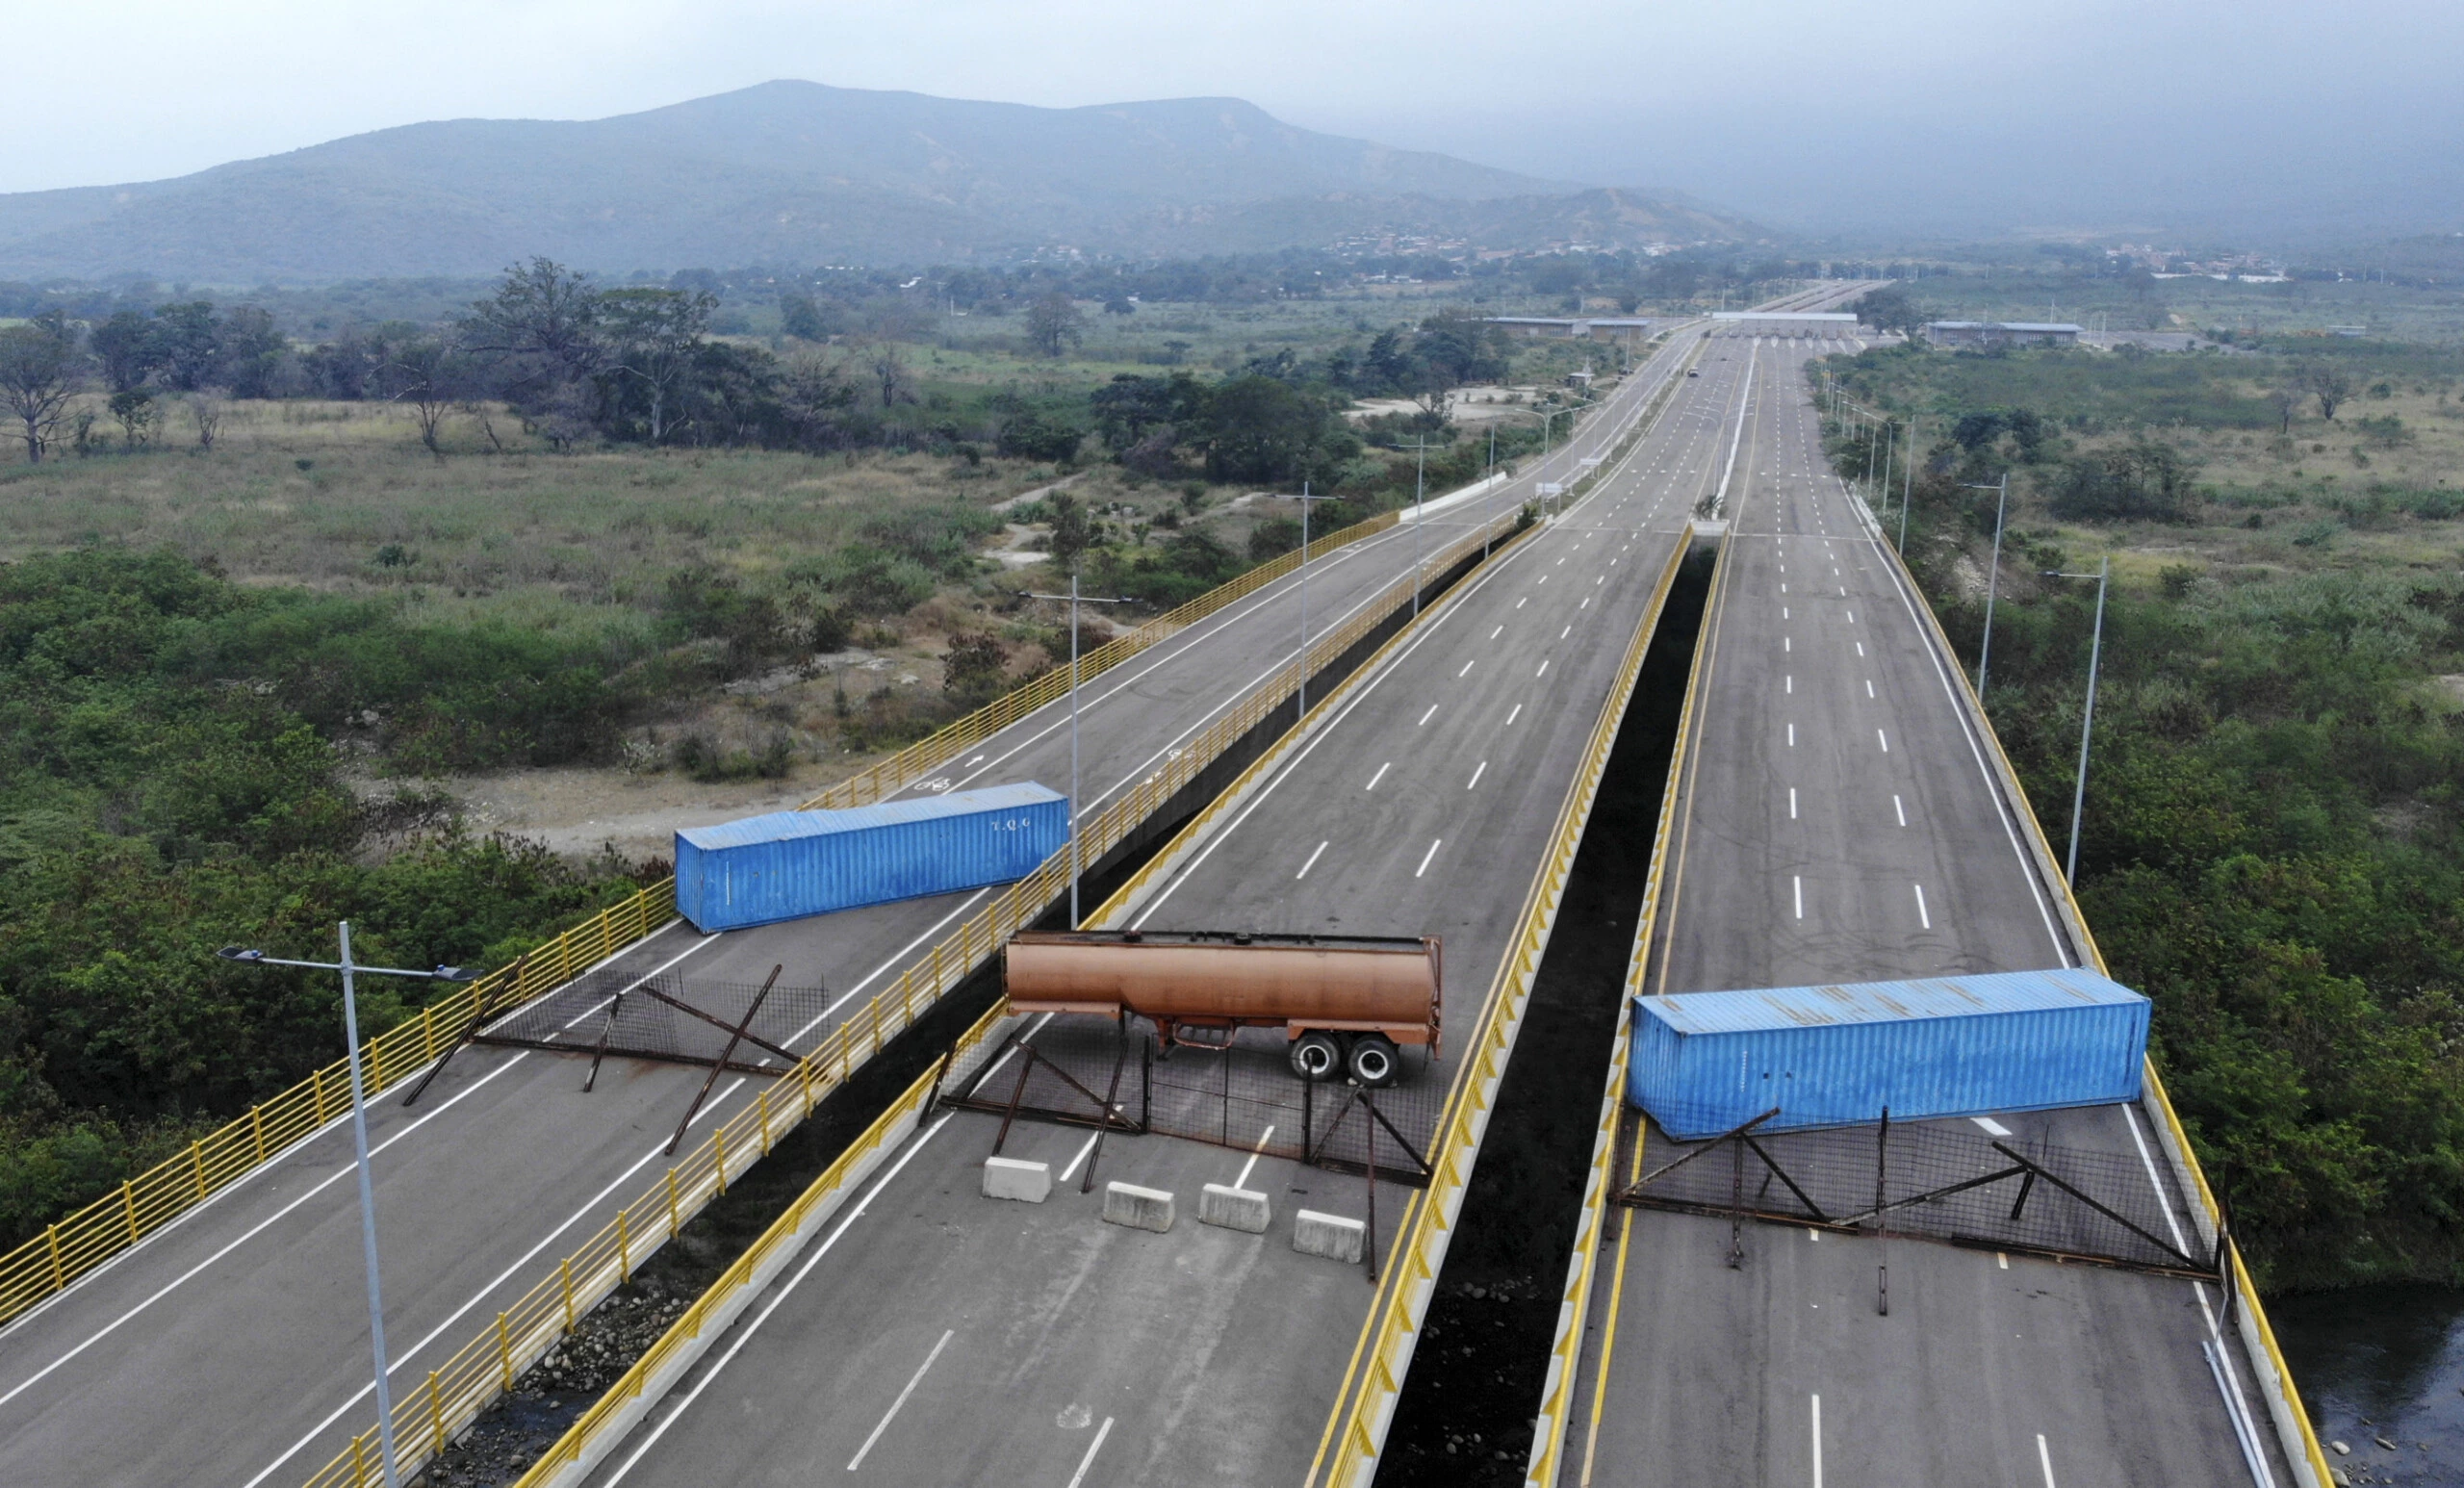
[(1820, 325), (2001, 333), (1566, 327)]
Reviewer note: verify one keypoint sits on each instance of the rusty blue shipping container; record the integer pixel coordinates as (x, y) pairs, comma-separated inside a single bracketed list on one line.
[(789, 865), (1706, 1063)]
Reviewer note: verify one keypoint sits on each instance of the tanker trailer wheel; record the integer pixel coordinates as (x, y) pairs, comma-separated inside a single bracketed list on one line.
[(1374, 1061), (1316, 1055)]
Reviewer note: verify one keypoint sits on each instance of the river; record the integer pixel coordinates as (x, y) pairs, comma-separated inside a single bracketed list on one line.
[(2382, 1362)]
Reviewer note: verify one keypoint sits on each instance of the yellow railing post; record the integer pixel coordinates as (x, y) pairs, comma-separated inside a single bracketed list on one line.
[(719, 1153), (359, 1460), (196, 1166), (504, 1355), (762, 1107), (565, 1269), (624, 1249), (435, 1415), (257, 1125), (58, 1272), (316, 1086), (128, 1208), (673, 1223)]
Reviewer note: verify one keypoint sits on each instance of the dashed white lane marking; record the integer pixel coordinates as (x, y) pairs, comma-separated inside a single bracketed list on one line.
[(1798, 883), (1511, 717), (1900, 810), (1467, 668), (1474, 782), (1379, 776), (1885, 738), (1426, 717), (1092, 1448), (1922, 912), (1793, 802), (1313, 860), (1792, 735), (1434, 844), (1544, 670)]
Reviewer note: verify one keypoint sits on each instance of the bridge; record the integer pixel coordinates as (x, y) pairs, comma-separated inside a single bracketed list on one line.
[(901, 1325)]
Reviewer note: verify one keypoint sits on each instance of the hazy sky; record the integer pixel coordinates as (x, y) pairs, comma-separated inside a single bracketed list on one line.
[(1962, 117)]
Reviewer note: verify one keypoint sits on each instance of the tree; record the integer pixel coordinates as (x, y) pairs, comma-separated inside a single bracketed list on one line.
[(191, 343), (129, 347), (976, 670), (889, 368), (1121, 304), (205, 411), (655, 335), (814, 394), (250, 352), (1259, 429), (2326, 382), (1054, 323), (800, 316), (1071, 529), (1891, 309), (539, 335), (428, 376), (2286, 401), (39, 373), (134, 408)]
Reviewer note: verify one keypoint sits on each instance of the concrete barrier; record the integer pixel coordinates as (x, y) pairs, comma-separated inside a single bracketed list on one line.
[(1331, 1236), (1233, 1209), (1141, 1208), (1009, 1177)]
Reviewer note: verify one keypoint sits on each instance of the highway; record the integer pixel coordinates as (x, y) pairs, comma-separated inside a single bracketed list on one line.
[(1839, 819), (937, 1335), (230, 1349)]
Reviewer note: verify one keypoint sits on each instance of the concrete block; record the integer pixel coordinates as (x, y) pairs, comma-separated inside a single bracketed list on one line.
[(1009, 1177), (1331, 1236), (1141, 1208), (1233, 1209)]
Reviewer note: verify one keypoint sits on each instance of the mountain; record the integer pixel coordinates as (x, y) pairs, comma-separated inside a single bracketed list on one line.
[(800, 173)]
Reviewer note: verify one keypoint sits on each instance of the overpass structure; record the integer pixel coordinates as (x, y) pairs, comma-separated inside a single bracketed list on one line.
[(233, 1334), (1839, 813)]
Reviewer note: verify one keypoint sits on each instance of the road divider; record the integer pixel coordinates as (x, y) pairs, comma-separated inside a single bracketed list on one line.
[(1355, 1432)]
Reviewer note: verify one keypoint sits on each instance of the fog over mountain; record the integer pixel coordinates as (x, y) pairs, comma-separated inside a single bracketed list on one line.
[(798, 173)]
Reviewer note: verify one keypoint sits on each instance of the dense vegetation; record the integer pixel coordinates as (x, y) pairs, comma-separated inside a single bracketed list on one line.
[(2271, 846), (165, 788)]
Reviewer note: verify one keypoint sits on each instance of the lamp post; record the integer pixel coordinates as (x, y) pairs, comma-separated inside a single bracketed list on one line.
[(1420, 514), (359, 1148), (1306, 500), (2088, 719), (1076, 866), (1992, 578), (1906, 486)]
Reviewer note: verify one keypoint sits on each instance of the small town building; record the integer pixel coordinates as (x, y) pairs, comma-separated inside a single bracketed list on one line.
[(2001, 333)]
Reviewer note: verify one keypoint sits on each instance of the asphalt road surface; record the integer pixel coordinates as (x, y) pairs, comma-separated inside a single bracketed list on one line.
[(1837, 822), (935, 1335)]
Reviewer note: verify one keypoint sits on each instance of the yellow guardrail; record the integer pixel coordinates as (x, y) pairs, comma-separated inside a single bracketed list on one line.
[(716, 1308), (932, 752), (1565, 1351), (1355, 1431), (42, 1266), (2291, 1418), (467, 1384), (47, 1263)]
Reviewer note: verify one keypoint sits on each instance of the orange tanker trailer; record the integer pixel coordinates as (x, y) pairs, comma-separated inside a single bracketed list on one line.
[(1344, 1001)]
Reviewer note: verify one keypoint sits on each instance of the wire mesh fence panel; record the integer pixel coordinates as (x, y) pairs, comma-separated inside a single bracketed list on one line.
[(1931, 1180), (1244, 1096), (669, 1017)]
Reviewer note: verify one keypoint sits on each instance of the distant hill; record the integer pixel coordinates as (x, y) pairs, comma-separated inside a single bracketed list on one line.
[(798, 173)]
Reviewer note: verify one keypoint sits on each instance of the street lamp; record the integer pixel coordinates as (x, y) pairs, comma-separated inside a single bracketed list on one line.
[(1306, 500), (2087, 721), (1075, 864), (359, 1145), (1906, 486), (1992, 577), (1420, 515)]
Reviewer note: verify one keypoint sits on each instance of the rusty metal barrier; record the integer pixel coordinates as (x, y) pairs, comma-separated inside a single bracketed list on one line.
[(1355, 1431), (428, 1416)]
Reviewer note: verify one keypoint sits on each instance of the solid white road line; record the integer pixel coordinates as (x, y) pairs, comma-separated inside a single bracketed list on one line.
[(1426, 857), (917, 1378), (1255, 1153), (754, 1327), (1313, 860), (1085, 1147), (1092, 1448)]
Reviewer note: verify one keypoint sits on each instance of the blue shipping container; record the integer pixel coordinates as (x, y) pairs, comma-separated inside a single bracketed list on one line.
[(789, 865), (1706, 1063)]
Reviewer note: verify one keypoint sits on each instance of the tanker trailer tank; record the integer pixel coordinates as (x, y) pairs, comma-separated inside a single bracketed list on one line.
[(1344, 1002)]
